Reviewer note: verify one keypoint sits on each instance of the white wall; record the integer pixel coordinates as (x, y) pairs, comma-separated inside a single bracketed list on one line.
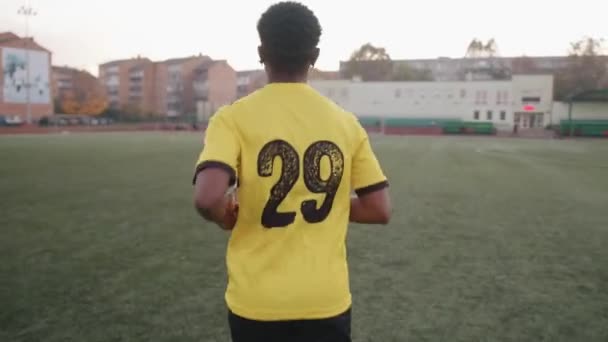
[(16, 63), (580, 110), (458, 100)]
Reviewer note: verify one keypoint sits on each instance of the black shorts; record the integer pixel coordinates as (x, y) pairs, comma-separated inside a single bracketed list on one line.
[(333, 329)]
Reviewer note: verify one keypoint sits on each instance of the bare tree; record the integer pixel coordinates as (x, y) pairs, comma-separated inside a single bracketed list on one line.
[(369, 62), (586, 70)]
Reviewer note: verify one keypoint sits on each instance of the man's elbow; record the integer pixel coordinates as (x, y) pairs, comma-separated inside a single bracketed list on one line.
[(202, 203), (203, 206), (384, 216)]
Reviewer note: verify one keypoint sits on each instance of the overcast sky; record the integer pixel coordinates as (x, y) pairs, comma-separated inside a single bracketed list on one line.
[(84, 33)]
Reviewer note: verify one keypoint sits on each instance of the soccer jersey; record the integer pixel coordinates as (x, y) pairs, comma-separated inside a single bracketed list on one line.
[(297, 157)]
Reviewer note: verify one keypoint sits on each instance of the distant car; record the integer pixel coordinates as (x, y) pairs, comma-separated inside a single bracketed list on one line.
[(13, 121), (2, 120)]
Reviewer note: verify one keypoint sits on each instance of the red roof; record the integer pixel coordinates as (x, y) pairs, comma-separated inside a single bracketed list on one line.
[(9, 39)]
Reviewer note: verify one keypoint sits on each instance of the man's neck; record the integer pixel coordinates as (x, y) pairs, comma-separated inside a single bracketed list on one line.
[(287, 78)]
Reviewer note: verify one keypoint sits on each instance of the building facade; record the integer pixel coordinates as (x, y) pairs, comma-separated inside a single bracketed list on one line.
[(25, 87), (445, 69), (249, 81), (170, 88), (523, 100), (77, 92), (129, 85), (214, 84)]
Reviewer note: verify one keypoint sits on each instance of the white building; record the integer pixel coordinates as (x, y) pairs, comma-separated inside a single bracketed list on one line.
[(526, 100)]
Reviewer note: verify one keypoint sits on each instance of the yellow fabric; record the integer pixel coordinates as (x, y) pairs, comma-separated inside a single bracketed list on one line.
[(289, 146)]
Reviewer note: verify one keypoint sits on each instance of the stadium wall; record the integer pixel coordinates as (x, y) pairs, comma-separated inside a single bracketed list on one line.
[(523, 100), (581, 111)]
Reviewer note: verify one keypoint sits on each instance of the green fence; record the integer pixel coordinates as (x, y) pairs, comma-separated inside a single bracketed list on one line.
[(449, 126), (469, 127), (417, 122), (584, 128), (370, 121)]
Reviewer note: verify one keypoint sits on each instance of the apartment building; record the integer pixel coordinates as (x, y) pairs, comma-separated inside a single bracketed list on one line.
[(124, 82), (70, 85), (25, 87), (174, 87), (214, 84), (175, 84), (249, 81)]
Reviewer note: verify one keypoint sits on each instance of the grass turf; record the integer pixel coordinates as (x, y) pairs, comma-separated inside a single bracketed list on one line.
[(491, 240)]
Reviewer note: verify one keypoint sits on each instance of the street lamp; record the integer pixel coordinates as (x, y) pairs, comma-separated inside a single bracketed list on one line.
[(27, 12)]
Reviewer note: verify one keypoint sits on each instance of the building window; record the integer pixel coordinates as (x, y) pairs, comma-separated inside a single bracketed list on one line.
[(503, 115), (344, 93), (530, 99), (481, 97), (476, 115), (489, 115), (498, 97)]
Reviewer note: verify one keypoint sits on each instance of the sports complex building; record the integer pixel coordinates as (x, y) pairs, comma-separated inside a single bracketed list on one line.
[(523, 103), (25, 87)]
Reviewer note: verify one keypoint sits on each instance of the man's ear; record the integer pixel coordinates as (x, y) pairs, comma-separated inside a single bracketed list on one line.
[(261, 54), (315, 56)]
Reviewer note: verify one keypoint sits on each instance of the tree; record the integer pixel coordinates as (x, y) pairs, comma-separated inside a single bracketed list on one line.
[(481, 61), (477, 49), (406, 73), (368, 52), (586, 69), (370, 63), (524, 65), (85, 96)]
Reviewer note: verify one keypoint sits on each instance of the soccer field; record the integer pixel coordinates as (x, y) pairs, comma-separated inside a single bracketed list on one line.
[(491, 240)]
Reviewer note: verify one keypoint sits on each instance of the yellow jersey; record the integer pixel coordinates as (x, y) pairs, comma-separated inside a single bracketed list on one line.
[(297, 157)]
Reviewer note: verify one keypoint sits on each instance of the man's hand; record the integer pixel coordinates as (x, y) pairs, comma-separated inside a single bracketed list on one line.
[(212, 199), (231, 213)]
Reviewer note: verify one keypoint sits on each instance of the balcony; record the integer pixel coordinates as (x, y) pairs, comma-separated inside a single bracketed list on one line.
[(201, 90), (136, 76), (136, 89)]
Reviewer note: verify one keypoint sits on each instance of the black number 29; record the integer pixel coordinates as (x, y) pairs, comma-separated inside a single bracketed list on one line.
[(290, 171)]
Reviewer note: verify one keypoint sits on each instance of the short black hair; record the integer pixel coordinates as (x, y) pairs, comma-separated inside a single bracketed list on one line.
[(290, 33)]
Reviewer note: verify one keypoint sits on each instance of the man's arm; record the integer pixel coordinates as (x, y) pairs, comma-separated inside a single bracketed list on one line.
[(210, 198), (372, 203), (371, 208), (216, 170)]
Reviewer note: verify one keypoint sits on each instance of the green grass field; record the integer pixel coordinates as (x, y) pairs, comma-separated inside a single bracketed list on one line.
[(491, 240)]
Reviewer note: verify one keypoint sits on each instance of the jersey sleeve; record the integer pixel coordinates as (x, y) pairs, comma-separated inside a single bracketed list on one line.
[(221, 148), (366, 173)]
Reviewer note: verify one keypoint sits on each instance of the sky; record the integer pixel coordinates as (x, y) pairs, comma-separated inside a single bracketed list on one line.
[(85, 33)]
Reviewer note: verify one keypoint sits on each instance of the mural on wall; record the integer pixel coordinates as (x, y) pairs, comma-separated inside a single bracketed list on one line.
[(14, 69)]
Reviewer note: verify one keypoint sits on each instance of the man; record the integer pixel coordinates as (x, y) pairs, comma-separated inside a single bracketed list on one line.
[(297, 156)]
